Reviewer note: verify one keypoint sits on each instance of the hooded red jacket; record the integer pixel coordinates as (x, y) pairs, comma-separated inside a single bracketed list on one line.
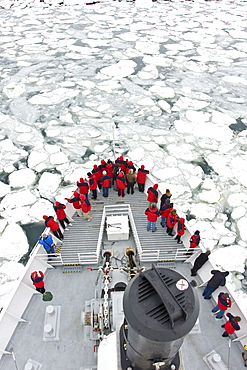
[(105, 181), (85, 204), (93, 182), (97, 173), (180, 227), (152, 214), (59, 209), (153, 194), (166, 209), (141, 175), (83, 186), (171, 220), (102, 165), (121, 182), (37, 279), (224, 303), (231, 326), (76, 201), (123, 164), (194, 241), (109, 169), (51, 223)]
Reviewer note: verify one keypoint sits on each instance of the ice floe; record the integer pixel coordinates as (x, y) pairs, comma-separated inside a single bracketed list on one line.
[(13, 242), (22, 178)]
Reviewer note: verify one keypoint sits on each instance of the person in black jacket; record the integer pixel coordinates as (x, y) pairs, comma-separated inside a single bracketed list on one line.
[(165, 197), (199, 262), (218, 279)]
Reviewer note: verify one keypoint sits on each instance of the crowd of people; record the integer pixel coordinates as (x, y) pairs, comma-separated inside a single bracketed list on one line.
[(122, 175)]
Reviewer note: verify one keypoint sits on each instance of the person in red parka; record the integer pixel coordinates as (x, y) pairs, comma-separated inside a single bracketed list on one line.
[(38, 281), (130, 166), (61, 215), (123, 164), (195, 239), (97, 173), (152, 215), (105, 183), (180, 230), (121, 183), (83, 187), (76, 202), (171, 221), (164, 212), (53, 225), (152, 194), (141, 178), (109, 169), (85, 207), (92, 184), (224, 302), (231, 325), (102, 165), (194, 242)]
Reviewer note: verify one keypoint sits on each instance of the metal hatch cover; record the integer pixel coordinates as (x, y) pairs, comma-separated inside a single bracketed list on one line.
[(157, 307)]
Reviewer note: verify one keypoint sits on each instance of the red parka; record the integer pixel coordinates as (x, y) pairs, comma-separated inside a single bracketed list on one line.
[(102, 165), (153, 194), (171, 220), (152, 214), (92, 182), (85, 204), (97, 173), (83, 186), (59, 209), (109, 169), (180, 227), (224, 303), (130, 166), (51, 223), (76, 201), (231, 326), (123, 164), (141, 175), (195, 240), (166, 209), (37, 279), (121, 181), (105, 181)]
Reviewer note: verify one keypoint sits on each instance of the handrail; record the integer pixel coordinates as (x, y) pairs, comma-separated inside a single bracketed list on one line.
[(150, 253), (134, 232), (85, 254), (57, 260), (101, 232)]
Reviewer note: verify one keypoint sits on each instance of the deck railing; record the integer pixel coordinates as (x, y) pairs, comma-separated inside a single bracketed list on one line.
[(134, 233)]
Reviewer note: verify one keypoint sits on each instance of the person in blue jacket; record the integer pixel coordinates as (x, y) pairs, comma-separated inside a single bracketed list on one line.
[(48, 243)]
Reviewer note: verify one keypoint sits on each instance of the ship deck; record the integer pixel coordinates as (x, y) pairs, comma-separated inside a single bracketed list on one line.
[(72, 348)]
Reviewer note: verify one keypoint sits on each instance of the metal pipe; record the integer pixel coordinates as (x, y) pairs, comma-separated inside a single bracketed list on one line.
[(229, 352), (14, 359)]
